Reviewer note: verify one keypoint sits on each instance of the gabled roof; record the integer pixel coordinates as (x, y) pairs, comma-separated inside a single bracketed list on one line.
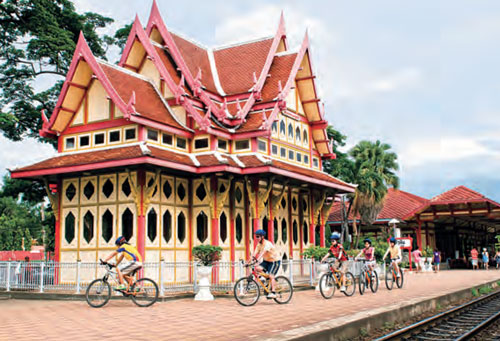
[(459, 193), (397, 205)]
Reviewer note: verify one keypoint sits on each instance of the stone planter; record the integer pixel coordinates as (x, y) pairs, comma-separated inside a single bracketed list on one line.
[(427, 264), (322, 268), (204, 273)]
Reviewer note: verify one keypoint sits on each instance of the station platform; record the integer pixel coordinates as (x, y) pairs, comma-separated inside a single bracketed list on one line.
[(307, 315)]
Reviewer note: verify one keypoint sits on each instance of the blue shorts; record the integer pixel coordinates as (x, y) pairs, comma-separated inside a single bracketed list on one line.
[(271, 267)]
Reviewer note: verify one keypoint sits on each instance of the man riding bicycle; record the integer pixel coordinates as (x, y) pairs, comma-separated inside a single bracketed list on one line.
[(395, 252), (369, 253), (270, 264), (132, 264), (337, 251)]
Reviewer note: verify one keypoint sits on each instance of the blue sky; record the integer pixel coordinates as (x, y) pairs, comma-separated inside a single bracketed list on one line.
[(423, 76)]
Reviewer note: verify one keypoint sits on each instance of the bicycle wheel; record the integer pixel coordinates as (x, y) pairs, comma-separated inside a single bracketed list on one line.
[(246, 291), (350, 284), (362, 282), (144, 292), (284, 290), (389, 278), (327, 285), (400, 279), (98, 293), (374, 282)]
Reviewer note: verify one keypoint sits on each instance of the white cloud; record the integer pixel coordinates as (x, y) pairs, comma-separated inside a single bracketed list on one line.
[(400, 79)]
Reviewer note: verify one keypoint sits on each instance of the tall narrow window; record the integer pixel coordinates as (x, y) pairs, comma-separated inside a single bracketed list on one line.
[(69, 227), (305, 138), (297, 135), (127, 224), (239, 228), (284, 231), (276, 227), (107, 226), (202, 227), (167, 226), (290, 131), (181, 227), (223, 227), (152, 225), (305, 235), (295, 232), (282, 128), (88, 226)]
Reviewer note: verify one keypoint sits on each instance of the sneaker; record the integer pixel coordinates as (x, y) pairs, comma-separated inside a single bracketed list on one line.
[(121, 287), (342, 288), (398, 275), (271, 295)]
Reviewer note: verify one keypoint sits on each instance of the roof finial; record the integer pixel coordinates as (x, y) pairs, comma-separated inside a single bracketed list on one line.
[(130, 105), (197, 83), (179, 92), (44, 118)]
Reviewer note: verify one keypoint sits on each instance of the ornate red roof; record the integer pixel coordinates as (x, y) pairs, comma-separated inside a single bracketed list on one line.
[(459, 193)]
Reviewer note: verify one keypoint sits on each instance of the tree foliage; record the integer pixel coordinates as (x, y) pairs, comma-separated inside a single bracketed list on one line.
[(38, 38)]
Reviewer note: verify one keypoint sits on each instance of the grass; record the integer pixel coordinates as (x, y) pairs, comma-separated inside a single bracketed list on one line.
[(438, 306), (498, 283), (388, 325), (485, 290), (363, 332), (474, 292)]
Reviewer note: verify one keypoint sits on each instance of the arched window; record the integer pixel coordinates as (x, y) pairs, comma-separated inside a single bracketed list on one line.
[(305, 235), (282, 128), (274, 128), (202, 227), (181, 227), (290, 131), (152, 225), (88, 226), (239, 228), (297, 135), (305, 137), (167, 226), (284, 231), (127, 224), (107, 226), (69, 227), (223, 227)]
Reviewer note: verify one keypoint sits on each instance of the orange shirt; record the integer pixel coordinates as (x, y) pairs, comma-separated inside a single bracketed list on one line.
[(474, 253)]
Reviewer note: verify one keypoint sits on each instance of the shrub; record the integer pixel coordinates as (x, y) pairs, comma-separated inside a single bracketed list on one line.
[(207, 254), (485, 290), (315, 252), (474, 292)]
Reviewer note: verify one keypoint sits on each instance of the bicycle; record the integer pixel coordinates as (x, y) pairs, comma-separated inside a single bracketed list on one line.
[(391, 276), (143, 292), (332, 279), (367, 277), (247, 289)]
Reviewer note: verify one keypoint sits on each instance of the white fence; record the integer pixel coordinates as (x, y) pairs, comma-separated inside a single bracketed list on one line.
[(172, 278)]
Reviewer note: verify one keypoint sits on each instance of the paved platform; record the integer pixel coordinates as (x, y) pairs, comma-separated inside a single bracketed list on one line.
[(222, 319)]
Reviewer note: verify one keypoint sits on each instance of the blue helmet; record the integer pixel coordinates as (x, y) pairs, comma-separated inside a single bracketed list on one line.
[(260, 232), (335, 236), (392, 240), (368, 240), (120, 240)]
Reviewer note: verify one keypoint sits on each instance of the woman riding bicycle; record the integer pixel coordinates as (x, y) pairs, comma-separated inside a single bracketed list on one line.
[(337, 251), (369, 253), (395, 252), (133, 263)]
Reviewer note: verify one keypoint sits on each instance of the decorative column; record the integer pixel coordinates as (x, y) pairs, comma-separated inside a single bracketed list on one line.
[(290, 222), (318, 209), (419, 232), (216, 202), (54, 195), (274, 201), (325, 211), (141, 213), (257, 199)]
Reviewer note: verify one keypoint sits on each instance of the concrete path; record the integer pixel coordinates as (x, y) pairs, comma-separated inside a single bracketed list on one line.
[(222, 319)]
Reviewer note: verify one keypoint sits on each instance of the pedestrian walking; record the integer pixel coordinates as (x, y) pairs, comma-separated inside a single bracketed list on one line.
[(486, 259), (497, 258), (436, 259), (417, 256), (473, 255)]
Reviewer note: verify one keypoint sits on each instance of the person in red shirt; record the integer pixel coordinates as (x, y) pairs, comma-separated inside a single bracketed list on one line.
[(337, 251), (473, 255)]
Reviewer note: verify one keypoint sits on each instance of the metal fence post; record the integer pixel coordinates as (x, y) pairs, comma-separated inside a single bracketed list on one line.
[(195, 284), (42, 267), (290, 275), (7, 285), (78, 276), (240, 266), (311, 274), (162, 289)]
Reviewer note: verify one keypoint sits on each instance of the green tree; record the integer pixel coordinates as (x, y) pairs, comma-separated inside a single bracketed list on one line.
[(38, 38), (342, 166), (23, 190), (375, 170)]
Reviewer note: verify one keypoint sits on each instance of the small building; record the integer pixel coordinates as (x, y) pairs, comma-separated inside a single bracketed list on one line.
[(453, 222), (180, 145)]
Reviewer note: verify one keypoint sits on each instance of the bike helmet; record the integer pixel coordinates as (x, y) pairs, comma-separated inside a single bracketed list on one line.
[(120, 240), (367, 240), (260, 232), (392, 240), (334, 236)]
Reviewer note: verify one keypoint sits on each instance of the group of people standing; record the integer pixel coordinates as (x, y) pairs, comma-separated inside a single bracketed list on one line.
[(419, 259), (485, 257)]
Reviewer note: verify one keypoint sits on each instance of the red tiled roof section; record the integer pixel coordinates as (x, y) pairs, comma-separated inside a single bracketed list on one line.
[(196, 57), (169, 64), (280, 71), (236, 65), (460, 193), (170, 156), (397, 205), (85, 158), (254, 121), (148, 101), (211, 160)]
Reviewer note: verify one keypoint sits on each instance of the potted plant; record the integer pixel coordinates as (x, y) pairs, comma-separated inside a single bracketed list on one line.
[(316, 253), (205, 255), (427, 255)]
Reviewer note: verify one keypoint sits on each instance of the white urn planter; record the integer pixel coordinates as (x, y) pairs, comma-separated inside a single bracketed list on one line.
[(322, 269), (204, 273), (428, 264)]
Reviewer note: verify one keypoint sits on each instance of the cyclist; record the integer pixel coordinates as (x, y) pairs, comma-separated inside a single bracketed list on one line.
[(270, 263), (337, 251), (132, 264), (395, 252), (369, 253)]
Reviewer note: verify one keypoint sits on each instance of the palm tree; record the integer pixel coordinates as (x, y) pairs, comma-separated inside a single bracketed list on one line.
[(374, 167)]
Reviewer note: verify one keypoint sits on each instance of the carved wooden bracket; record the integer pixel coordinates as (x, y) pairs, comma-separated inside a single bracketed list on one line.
[(53, 198), (148, 195), (222, 197), (276, 199), (135, 190), (318, 205), (264, 195), (251, 196), (208, 189), (325, 211)]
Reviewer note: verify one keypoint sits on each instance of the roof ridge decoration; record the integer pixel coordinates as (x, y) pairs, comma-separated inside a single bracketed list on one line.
[(82, 51), (177, 89), (155, 20)]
